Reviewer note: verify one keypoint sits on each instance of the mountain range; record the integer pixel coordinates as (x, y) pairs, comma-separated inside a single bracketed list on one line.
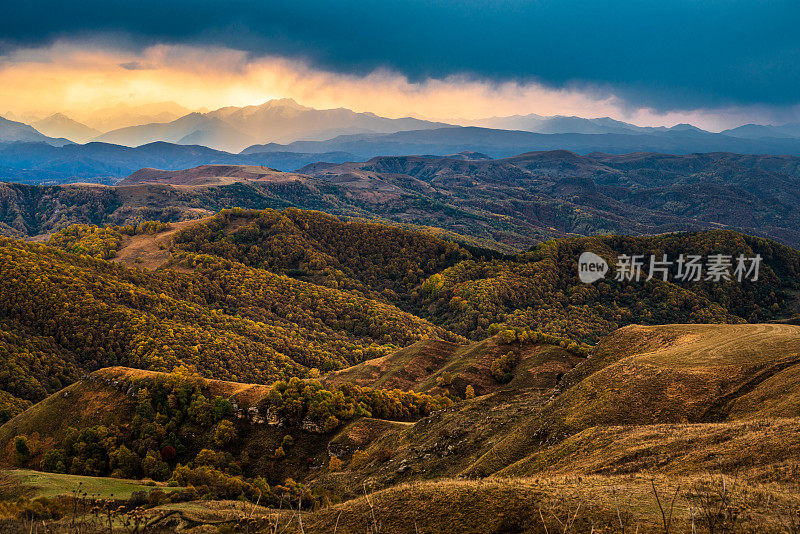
[(503, 143), (283, 120), (558, 124), (48, 160), (504, 204), (285, 125), (39, 162)]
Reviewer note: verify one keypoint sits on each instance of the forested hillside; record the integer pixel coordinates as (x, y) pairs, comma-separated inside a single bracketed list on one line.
[(72, 313), (260, 295), (320, 319), (540, 289), (506, 204), (356, 255), (179, 427)]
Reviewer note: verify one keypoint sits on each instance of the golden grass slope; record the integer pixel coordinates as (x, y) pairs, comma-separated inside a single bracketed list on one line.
[(762, 451), (150, 251), (682, 373), (671, 374), (671, 403), (556, 504), (422, 365)]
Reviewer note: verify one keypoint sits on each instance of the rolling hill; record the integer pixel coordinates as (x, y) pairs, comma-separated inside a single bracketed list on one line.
[(427, 365), (664, 375), (634, 416), (290, 358), (559, 192), (250, 277), (226, 319), (507, 204), (539, 458), (206, 175)]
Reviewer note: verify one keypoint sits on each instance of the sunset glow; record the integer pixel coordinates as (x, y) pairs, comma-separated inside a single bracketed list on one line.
[(78, 79)]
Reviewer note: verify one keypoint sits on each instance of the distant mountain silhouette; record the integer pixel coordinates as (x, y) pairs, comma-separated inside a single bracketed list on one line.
[(283, 120), (12, 131), (681, 139), (59, 125), (758, 131), (123, 115), (556, 124), (40, 162), (191, 129)]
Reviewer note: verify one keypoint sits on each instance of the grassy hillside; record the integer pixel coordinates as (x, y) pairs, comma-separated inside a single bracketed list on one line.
[(296, 358), (763, 450), (256, 295), (557, 504), (694, 373), (663, 405), (436, 365), (664, 374), (38, 484), (523, 414)]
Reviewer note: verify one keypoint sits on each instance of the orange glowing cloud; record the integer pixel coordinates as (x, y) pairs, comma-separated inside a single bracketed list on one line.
[(77, 79)]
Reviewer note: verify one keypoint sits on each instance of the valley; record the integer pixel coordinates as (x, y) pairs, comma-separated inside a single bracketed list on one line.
[(353, 373), (324, 267), (506, 205), (515, 451)]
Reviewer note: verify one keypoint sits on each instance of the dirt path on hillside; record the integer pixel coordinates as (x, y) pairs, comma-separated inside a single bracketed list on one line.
[(150, 251)]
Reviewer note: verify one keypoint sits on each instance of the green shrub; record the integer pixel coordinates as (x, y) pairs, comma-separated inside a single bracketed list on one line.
[(502, 368)]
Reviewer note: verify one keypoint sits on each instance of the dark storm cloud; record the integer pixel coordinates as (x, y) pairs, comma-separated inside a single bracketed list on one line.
[(136, 65), (667, 54)]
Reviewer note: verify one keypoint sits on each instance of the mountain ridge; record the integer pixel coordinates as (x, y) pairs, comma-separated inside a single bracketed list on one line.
[(60, 125), (12, 131), (504, 143), (506, 204), (281, 120)]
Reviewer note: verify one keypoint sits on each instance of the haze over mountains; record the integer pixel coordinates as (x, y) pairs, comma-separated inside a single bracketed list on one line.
[(285, 135), (284, 120), (682, 139), (59, 125), (285, 125), (13, 131)]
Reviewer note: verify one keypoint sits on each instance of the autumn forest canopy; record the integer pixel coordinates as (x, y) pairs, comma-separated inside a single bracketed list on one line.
[(239, 355), (258, 296)]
